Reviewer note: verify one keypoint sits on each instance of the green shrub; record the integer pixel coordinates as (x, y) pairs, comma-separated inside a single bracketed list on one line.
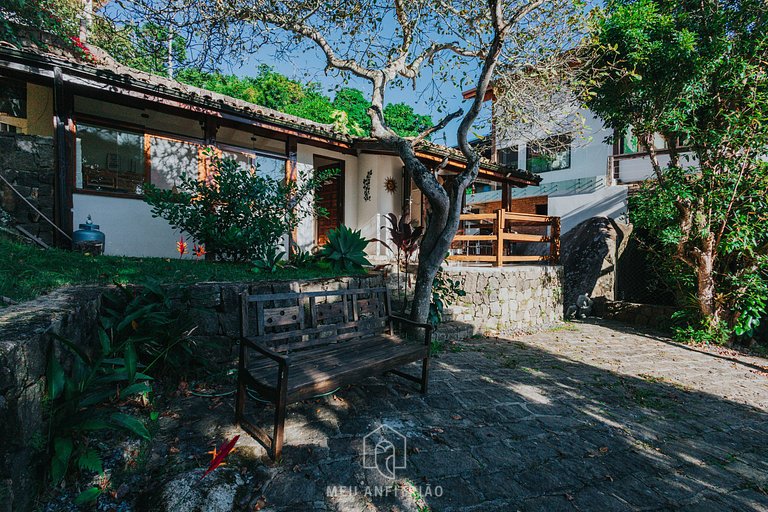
[(159, 331), (345, 249), (236, 213), (444, 292), (301, 258), (270, 262), (83, 402)]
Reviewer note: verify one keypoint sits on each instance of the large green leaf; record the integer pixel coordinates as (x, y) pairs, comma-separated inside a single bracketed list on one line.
[(131, 424), (97, 397), (62, 451), (106, 346), (90, 460), (55, 377), (134, 389), (118, 375), (130, 360), (87, 496)]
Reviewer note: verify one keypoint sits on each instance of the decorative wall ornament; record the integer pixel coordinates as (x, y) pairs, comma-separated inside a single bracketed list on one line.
[(390, 185), (367, 185)]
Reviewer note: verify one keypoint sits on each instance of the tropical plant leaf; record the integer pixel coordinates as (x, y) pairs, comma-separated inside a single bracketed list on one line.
[(131, 424), (135, 389), (87, 496), (55, 377), (90, 460), (62, 451), (79, 352), (97, 397), (106, 346), (130, 360)]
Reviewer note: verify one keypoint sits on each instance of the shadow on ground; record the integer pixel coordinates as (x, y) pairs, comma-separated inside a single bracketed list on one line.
[(585, 417)]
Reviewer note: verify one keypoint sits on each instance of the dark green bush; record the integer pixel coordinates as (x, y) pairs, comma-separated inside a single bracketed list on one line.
[(237, 213)]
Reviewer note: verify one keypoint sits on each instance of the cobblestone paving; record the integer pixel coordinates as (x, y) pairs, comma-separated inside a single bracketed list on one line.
[(584, 417)]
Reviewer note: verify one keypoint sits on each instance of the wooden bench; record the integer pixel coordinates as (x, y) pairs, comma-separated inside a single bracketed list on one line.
[(307, 344)]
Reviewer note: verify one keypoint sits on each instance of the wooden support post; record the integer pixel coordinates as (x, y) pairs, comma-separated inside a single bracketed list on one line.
[(62, 111), (242, 364), (291, 175), (554, 242), (506, 199), (500, 237)]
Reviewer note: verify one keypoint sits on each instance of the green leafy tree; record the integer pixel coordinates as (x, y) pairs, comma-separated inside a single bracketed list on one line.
[(356, 105), (404, 121), (695, 72), (143, 47), (20, 20)]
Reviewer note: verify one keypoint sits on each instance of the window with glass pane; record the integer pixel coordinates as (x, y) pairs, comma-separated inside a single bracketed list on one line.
[(13, 98), (630, 143), (170, 160), (265, 165), (550, 154), (109, 160)]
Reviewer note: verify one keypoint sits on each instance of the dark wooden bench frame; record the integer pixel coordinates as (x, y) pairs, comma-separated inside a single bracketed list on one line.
[(277, 392)]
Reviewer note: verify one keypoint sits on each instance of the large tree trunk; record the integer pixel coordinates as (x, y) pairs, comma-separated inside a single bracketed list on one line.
[(445, 209), (705, 292)]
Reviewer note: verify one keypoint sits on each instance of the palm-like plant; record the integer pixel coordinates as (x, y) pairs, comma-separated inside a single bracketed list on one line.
[(345, 249), (406, 237)]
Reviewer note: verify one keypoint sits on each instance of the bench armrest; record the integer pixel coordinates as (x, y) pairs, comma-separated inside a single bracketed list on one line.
[(266, 351), (428, 328)]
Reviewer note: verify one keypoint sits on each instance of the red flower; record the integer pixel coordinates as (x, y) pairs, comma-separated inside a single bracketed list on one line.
[(219, 456), (181, 247), (198, 250)]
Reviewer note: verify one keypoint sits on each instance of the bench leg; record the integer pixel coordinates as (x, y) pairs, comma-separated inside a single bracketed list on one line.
[(240, 400), (277, 438), (425, 375)]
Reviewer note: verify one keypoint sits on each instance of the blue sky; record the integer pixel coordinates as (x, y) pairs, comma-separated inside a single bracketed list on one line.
[(309, 66)]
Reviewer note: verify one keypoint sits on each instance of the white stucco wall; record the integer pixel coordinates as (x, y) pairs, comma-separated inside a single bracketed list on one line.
[(573, 209), (128, 225), (589, 152), (639, 169), (371, 213)]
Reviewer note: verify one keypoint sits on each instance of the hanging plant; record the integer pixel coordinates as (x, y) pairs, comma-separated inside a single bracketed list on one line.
[(367, 186), (390, 185)]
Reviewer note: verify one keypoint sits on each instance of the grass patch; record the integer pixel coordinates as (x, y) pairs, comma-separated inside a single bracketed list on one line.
[(565, 326), (27, 271)]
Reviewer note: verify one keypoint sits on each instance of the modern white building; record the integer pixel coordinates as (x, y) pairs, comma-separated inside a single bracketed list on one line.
[(586, 173)]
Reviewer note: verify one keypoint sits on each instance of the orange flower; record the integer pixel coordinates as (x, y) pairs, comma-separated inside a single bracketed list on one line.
[(181, 247), (198, 250), (220, 454)]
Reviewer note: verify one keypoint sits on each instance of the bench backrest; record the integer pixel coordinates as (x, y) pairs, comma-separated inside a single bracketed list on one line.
[(293, 321)]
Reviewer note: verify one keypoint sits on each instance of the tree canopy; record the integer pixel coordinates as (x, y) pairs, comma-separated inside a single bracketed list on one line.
[(696, 72)]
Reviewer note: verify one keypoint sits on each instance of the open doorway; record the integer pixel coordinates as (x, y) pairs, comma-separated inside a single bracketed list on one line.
[(330, 196)]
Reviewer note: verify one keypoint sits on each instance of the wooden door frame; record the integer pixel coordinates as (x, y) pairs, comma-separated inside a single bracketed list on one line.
[(340, 180)]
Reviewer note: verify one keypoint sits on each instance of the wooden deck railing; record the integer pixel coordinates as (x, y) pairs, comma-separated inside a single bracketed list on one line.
[(493, 234)]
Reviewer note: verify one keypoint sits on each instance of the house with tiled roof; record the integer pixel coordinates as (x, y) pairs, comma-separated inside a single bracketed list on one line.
[(108, 129)]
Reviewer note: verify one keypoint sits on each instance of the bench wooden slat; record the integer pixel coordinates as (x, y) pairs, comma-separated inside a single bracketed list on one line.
[(327, 340)]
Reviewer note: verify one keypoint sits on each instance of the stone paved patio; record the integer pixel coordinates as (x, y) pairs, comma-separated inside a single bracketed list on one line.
[(585, 417)]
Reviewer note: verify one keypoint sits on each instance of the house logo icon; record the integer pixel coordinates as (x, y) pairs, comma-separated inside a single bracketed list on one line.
[(384, 449)]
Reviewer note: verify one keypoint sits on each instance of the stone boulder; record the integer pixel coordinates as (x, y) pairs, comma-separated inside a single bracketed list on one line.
[(223, 490), (589, 253)]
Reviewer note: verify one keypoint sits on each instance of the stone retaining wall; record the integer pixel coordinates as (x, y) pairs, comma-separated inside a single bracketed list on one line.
[(26, 331), (27, 162), (502, 300)]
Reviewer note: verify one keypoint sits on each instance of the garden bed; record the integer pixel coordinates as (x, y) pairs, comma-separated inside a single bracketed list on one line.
[(27, 271)]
